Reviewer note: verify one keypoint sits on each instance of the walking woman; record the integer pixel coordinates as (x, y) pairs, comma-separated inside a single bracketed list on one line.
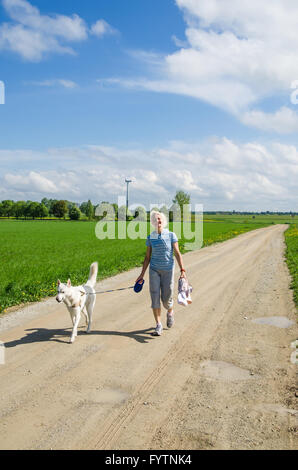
[(161, 244)]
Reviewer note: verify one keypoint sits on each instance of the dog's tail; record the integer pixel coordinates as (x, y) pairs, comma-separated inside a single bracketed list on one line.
[(92, 275)]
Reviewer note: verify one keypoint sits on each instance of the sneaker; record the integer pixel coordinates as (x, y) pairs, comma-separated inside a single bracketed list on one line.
[(158, 330), (170, 319)]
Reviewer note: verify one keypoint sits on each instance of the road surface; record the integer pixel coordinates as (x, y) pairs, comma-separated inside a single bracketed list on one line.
[(222, 378)]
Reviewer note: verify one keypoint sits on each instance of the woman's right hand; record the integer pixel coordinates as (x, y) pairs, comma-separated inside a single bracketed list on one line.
[(140, 278)]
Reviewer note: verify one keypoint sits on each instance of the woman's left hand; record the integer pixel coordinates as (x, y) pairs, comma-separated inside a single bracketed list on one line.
[(182, 275)]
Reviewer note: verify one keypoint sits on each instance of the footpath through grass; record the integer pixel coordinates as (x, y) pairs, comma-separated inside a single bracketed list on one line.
[(34, 254), (291, 237)]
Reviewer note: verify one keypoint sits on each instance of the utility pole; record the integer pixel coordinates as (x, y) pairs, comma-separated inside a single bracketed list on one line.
[(127, 181)]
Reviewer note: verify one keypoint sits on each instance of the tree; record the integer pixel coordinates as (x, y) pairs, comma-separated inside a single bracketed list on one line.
[(51, 203), (7, 208), (32, 210), (181, 198), (74, 213), (47, 202), (41, 211), (83, 207), (89, 210), (141, 214), (19, 209), (59, 209), (106, 211)]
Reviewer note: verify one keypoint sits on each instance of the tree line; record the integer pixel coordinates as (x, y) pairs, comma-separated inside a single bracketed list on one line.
[(46, 208), (60, 209)]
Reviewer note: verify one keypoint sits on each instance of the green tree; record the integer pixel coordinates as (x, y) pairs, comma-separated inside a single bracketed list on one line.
[(41, 211), (50, 206), (33, 210), (19, 209), (7, 208), (83, 207), (59, 209), (47, 202), (181, 198), (27, 210), (74, 213), (105, 210), (141, 214), (89, 210)]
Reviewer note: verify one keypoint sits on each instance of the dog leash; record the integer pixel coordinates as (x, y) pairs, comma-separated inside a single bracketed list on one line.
[(137, 288), (107, 291)]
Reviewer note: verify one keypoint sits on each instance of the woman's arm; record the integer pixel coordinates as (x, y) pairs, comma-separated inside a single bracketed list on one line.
[(145, 264), (179, 258)]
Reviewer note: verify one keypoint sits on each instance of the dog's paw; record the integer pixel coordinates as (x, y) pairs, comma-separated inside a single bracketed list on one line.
[(71, 341)]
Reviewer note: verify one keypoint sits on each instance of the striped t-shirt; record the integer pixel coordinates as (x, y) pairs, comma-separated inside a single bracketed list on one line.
[(162, 250)]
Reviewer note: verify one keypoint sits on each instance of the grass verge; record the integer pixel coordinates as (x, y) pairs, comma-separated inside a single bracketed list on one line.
[(291, 237)]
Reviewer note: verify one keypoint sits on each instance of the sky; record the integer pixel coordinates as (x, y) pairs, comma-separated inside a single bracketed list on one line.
[(193, 95)]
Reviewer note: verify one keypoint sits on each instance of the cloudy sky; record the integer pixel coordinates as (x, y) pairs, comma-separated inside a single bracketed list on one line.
[(199, 95)]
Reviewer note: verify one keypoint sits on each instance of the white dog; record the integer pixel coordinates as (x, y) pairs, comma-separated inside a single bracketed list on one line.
[(80, 299)]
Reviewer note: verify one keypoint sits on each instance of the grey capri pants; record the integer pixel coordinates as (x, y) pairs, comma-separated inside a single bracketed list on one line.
[(161, 286)]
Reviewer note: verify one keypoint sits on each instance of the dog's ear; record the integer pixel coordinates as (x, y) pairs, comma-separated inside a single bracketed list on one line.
[(82, 292), (59, 282), (69, 283)]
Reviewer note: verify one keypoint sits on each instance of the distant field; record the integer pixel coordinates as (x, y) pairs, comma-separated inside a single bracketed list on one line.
[(260, 219), (292, 257), (34, 254)]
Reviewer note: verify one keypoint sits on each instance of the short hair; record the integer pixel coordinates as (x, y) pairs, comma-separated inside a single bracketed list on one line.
[(153, 218)]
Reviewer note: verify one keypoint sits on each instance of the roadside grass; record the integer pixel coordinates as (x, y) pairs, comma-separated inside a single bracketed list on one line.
[(34, 254), (291, 237)]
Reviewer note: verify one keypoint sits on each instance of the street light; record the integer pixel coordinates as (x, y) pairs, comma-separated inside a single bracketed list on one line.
[(127, 181)]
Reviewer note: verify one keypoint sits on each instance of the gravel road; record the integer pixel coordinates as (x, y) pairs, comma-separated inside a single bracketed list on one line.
[(222, 378)]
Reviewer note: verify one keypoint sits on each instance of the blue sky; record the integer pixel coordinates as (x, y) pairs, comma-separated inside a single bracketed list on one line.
[(176, 94)]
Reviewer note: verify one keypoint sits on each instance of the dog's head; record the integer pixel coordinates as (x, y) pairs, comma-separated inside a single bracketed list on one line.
[(62, 290)]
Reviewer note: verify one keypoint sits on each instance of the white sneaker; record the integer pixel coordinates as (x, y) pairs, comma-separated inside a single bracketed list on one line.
[(170, 319), (158, 330)]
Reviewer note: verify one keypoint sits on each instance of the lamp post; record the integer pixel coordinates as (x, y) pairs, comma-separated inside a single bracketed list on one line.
[(127, 181)]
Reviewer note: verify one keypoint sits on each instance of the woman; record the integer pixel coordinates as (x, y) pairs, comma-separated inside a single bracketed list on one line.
[(160, 247)]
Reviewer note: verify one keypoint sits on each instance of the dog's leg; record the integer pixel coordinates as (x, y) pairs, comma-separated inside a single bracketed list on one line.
[(86, 315), (90, 307), (77, 316), (71, 315)]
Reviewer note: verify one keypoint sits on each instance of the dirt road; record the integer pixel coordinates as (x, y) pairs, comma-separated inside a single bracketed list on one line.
[(222, 378)]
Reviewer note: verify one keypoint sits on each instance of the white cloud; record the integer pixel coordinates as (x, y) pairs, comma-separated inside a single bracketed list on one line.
[(34, 182), (56, 82), (235, 54), (71, 28), (31, 34), (220, 173), (283, 121), (102, 28)]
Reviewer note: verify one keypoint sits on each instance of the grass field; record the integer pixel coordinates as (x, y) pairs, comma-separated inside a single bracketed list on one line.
[(34, 254), (292, 257)]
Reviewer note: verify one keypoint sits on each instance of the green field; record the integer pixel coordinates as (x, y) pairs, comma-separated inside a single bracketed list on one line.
[(34, 254), (292, 257)]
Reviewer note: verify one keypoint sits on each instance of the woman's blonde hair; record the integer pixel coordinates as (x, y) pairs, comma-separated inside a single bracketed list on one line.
[(153, 218)]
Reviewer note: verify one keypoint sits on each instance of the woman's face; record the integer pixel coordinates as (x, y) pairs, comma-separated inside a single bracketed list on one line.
[(159, 222)]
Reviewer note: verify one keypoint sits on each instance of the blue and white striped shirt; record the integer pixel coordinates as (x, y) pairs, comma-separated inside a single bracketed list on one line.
[(162, 249)]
